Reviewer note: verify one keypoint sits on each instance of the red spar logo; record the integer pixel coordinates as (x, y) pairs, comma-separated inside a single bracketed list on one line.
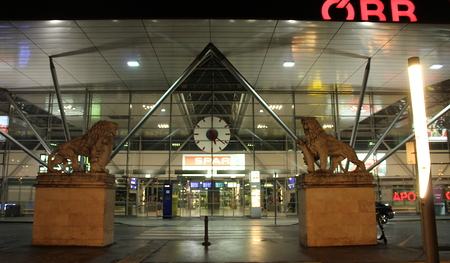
[(372, 8)]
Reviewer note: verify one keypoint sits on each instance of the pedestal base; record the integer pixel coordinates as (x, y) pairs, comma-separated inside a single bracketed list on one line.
[(74, 209), (336, 210)]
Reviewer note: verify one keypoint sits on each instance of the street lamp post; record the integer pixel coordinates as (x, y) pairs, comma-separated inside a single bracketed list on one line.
[(423, 162)]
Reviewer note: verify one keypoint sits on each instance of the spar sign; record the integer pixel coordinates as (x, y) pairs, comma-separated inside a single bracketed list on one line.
[(369, 10), (214, 162)]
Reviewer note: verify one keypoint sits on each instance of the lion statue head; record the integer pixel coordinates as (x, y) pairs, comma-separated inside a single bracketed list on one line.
[(313, 130)]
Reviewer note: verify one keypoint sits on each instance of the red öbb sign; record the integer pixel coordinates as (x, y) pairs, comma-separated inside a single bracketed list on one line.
[(372, 8)]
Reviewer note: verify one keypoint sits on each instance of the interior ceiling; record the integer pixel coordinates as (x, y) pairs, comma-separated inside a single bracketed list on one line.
[(92, 55)]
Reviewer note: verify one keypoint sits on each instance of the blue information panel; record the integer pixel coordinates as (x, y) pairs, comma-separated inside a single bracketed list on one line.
[(167, 201)]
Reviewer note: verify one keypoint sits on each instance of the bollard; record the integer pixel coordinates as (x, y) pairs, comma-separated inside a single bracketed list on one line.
[(206, 242)]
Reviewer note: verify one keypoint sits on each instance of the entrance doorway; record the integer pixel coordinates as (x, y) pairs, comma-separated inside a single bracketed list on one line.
[(211, 198), (221, 197)]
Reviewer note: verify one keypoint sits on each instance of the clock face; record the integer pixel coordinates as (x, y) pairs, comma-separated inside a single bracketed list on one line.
[(212, 134)]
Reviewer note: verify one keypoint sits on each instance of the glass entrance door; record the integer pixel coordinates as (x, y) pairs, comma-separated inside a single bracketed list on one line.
[(149, 198), (212, 198)]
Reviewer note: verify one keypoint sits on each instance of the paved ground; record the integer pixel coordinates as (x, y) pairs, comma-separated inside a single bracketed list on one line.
[(232, 240)]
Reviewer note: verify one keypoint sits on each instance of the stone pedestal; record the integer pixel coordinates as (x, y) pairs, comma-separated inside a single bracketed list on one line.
[(74, 209), (336, 210)]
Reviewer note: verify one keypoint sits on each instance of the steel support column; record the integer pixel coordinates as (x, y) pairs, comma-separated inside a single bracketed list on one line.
[(10, 138), (19, 111), (396, 148), (59, 98), (172, 88), (360, 104), (380, 140), (250, 89)]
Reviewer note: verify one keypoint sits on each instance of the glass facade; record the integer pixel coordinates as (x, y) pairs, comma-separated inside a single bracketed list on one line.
[(158, 151)]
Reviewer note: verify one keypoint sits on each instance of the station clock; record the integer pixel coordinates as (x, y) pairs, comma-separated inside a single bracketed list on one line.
[(212, 134)]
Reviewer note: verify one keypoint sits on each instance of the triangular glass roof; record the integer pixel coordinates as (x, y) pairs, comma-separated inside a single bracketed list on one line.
[(211, 86)]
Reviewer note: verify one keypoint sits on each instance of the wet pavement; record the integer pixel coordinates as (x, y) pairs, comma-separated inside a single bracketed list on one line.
[(231, 240)]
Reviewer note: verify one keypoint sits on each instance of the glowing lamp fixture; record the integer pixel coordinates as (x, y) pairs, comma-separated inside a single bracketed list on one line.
[(288, 64), (420, 124), (133, 63), (275, 107), (436, 66)]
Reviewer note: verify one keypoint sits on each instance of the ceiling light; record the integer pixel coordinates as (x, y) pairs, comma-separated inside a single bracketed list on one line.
[(133, 63), (147, 107), (436, 66), (288, 64), (163, 126), (275, 107)]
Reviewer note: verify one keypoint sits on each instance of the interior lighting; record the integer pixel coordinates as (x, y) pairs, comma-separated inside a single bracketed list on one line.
[(262, 126), (355, 108), (288, 64), (163, 126), (147, 107), (420, 123), (436, 66), (275, 107), (133, 63)]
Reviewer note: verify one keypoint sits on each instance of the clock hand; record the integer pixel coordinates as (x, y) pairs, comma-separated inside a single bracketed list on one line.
[(213, 136), (221, 140)]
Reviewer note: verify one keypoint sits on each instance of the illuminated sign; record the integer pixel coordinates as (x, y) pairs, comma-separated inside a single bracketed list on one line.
[(412, 196), (437, 131), (214, 162), (208, 160), (133, 182), (255, 177), (231, 184), (4, 124), (370, 10), (255, 191), (402, 196)]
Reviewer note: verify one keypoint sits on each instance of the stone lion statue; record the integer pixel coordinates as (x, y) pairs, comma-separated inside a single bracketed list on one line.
[(96, 144), (319, 146)]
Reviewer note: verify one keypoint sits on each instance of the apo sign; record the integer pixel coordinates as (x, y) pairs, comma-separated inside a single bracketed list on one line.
[(370, 10), (411, 196)]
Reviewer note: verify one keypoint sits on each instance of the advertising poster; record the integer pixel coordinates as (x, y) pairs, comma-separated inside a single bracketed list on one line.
[(4, 124)]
